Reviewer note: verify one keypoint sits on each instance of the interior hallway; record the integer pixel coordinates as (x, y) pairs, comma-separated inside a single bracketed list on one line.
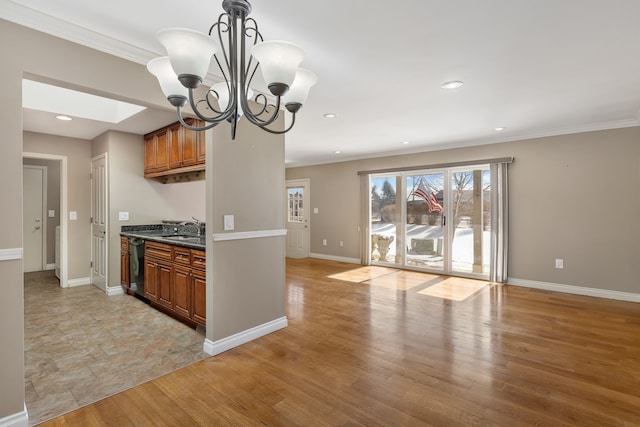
[(82, 346)]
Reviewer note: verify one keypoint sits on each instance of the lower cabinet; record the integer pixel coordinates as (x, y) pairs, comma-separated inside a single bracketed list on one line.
[(175, 281)]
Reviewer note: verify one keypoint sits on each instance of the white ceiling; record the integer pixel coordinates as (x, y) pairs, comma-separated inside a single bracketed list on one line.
[(537, 68)]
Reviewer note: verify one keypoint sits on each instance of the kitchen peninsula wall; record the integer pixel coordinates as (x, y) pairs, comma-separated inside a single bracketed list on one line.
[(147, 201)]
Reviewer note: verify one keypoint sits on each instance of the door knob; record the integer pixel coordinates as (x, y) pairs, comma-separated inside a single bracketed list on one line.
[(37, 227)]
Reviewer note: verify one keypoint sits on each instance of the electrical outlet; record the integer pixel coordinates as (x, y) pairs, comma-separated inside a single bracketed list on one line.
[(341, 244), (559, 263), (324, 242)]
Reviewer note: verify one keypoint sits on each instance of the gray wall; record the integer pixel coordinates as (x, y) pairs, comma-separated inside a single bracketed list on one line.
[(575, 197), (53, 202)]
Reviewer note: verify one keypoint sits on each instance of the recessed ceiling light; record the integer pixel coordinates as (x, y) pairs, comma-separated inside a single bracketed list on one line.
[(65, 118), (405, 142), (500, 128), (329, 115), (338, 151), (454, 84)]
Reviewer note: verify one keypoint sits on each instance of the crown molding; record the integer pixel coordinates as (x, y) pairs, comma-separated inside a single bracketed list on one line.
[(53, 26)]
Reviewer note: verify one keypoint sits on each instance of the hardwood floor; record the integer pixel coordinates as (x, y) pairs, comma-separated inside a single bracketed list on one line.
[(367, 346)]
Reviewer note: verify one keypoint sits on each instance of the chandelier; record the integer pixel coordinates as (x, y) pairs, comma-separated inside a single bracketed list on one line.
[(189, 56)]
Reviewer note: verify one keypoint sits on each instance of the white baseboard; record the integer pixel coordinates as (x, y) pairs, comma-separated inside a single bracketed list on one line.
[(114, 290), (50, 267), (78, 282), (335, 258), (577, 290), (21, 419), (220, 346)]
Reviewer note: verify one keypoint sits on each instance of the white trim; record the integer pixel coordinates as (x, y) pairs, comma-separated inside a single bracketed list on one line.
[(78, 282), (20, 419), (50, 267), (335, 258), (220, 237), (42, 22), (114, 290), (224, 344), (10, 254), (577, 290)]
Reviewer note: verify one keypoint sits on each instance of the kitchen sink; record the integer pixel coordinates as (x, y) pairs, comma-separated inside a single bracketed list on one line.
[(183, 238)]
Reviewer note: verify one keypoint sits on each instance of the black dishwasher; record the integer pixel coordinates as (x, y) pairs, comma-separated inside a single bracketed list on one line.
[(136, 265)]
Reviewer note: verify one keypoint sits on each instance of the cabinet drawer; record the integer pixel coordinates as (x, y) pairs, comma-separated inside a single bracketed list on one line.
[(158, 250), (181, 255), (198, 259)]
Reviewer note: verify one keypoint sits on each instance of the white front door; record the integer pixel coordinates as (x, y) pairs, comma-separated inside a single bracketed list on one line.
[(298, 218), (99, 222), (33, 223)]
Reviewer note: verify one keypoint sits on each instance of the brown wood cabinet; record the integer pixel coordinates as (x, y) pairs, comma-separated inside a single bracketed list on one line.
[(125, 280), (175, 281), (174, 149)]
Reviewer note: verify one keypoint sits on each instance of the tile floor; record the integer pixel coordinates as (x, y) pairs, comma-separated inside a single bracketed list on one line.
[(82, 346)]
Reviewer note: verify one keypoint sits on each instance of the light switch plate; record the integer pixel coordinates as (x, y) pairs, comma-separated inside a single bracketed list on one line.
[(228, 223), (52, 213), (315, 210), (123, 216), (73, 215)]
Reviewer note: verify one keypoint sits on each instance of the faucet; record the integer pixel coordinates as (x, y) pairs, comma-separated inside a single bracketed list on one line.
[(195, 223)]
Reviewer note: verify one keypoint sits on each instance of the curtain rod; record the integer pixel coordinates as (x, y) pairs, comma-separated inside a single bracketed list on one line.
[(439, 165)]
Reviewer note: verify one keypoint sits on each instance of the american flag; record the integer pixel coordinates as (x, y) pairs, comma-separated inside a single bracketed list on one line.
[(424, 192)]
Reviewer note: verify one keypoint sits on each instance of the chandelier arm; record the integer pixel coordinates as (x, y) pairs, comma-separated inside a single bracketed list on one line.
[(216, 120), (279, 132), (253, 118), (228, 28), (196, 128)]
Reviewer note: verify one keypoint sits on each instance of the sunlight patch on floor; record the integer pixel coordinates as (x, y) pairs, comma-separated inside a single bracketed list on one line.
[(363, 274), (403, 280), (455, 288)]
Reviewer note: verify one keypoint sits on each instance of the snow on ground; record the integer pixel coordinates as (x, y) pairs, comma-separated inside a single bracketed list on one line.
[(461, 251)]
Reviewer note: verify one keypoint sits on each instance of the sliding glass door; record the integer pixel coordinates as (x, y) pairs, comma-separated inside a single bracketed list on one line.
[(435, 220)]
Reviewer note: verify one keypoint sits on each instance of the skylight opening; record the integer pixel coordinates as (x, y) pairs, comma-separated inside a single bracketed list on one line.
[(60, 101)]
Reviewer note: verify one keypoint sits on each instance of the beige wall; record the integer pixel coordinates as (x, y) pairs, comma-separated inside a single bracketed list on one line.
[(575, 197), (53, 202), (246, 178), (147, 201)]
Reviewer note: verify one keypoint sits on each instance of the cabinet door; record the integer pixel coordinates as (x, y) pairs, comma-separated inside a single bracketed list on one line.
[(162, 140), (201, 155), (199, 297), (165, 289), (175, 146), (151, 279), (189, 145), (182, 291), (149, 154)]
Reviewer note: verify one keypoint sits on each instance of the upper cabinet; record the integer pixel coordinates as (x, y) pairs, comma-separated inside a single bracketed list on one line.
[(174, 150)]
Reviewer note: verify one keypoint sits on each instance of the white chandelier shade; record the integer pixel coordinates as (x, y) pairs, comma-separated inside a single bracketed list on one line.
[(169, 83), (189, 51), (278, 60), (238, 48), (299, 90)]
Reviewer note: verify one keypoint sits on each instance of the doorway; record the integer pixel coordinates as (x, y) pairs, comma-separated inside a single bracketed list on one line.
[(298, 218)]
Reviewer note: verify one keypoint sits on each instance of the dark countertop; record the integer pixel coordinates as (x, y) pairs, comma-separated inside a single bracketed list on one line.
[(164, 234)]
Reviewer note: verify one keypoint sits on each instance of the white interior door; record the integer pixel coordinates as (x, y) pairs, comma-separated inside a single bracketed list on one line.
[(34, 193), (99, 222), (298, 218)]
